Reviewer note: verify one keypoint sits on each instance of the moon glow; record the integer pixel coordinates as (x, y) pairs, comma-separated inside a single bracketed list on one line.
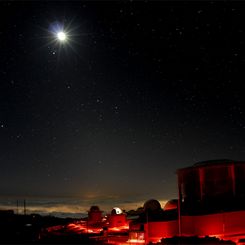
[(61, 36)]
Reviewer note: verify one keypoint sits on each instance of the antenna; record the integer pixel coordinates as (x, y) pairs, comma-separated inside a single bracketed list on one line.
[(24, 207), (17, 206)]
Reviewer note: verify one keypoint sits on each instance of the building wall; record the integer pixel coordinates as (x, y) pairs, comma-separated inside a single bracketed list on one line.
[(154, 231), (221, 225), (212, 188), (229, 225), (117, 220), (94, 217)]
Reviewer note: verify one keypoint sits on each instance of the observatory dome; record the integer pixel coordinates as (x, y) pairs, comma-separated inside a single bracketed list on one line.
[(152, 205), (171, 205), (116, 210), (94, 209)]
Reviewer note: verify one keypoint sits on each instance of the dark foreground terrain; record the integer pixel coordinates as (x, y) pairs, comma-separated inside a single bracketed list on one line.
[(28, 229)]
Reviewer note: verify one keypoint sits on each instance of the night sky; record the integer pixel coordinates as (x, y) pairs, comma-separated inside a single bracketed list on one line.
[(138, 90)]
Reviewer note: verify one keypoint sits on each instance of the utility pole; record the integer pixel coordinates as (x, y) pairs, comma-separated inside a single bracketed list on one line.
[(179, 207), (24, 207)]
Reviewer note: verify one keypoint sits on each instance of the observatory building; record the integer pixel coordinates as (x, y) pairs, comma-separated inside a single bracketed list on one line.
[(212, 187), (117, 221), (211, 203), (94, 215)]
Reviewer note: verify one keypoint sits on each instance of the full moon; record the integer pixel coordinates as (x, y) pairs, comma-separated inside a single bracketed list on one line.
[(61, 36)]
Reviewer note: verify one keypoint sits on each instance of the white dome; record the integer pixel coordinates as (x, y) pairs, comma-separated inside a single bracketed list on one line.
[(116, 211)]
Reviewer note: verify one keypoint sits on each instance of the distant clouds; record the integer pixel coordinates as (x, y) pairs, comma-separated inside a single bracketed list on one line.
[(68, 207)]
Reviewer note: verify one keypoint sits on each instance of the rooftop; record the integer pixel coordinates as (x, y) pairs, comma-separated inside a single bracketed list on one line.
[(212, 163)]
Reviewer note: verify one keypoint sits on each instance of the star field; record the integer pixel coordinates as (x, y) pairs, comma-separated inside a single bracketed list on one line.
[(139, 90)]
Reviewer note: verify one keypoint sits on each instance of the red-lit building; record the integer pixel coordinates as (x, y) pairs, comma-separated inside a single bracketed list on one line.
[(117, 221), (94, 215), (211, 187), (212, 199), (211, 203)]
